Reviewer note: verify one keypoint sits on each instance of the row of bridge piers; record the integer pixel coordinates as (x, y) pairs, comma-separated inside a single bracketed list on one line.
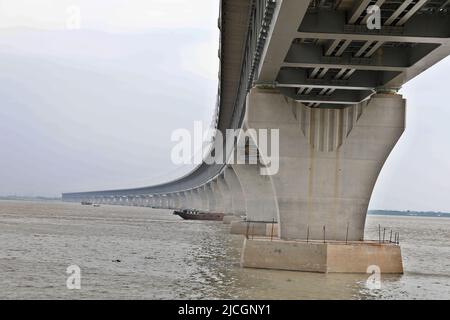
[(310, 215)]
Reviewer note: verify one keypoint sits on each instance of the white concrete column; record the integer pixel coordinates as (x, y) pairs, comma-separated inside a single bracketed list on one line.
[(329, 160), (165, 201), (197, 202), (158, 201), (224, 189), (153, 201), (260, 201), (180, 202), (237, 196), (215, 201), (204, 198), (189, 202)]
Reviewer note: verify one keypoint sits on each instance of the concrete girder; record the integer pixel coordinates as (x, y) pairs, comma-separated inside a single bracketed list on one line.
[(361, 80), (286, 20), (325, 24), (338, 97), (391, 58), (358, 10)]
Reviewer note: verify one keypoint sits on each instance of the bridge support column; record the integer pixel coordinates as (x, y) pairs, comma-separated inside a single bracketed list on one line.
[(158, 201), (237, 196), (147, 201), (182, 201), (153, 201), (260, 201), (174, 201), (329, 162), (166, 201), (202, 197), (214, 196), (142, 201), (224, 190), (190, 201)]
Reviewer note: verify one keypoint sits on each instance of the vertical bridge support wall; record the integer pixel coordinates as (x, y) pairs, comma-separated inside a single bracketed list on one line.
[(330, 160)]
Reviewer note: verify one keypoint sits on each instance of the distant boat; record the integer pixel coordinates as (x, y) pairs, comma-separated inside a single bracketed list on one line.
[(86, 203), (196, 215), (96, 205)]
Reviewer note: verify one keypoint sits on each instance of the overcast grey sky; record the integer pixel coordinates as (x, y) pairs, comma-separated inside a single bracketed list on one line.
[(94, 108)]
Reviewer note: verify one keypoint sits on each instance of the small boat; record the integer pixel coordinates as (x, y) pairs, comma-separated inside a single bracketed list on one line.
[(96, 205), (86, 203), (197, 215)]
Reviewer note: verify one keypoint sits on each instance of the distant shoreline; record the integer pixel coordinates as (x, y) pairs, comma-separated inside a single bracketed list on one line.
[(430, 214), (17, 198), (396, 213)]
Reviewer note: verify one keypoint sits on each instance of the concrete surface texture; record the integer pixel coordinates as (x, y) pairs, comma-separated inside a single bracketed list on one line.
[(329, 160), (331, 257)]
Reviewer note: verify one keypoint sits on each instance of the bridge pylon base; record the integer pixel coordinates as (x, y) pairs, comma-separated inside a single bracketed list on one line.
[(254, 229), (322, 257)]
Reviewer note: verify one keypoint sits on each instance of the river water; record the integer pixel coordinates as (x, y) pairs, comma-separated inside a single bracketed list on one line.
[(141, 253)]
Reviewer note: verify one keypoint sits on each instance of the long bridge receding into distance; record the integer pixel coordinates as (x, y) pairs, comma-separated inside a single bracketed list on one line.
[(328, 82)]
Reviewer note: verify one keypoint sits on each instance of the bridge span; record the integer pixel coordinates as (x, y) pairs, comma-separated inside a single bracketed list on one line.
[(326, 74)]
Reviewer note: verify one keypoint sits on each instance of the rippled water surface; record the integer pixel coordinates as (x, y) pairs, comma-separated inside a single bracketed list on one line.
[(141, 253)]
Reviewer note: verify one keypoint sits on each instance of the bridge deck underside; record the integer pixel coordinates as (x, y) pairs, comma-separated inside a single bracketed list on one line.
[(334, 59)]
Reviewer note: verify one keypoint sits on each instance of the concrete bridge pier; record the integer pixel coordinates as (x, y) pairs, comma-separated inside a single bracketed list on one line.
[(187, 199), (154, 201), (190, 201), (182, 201), (202, 198), (165, 201), (237, 196), (195, 201), (261, 207), (214, 197), (136, 201), (329, 162), (170, 201), (224, 191), (147, 199), (173, 201), (158, 202)]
